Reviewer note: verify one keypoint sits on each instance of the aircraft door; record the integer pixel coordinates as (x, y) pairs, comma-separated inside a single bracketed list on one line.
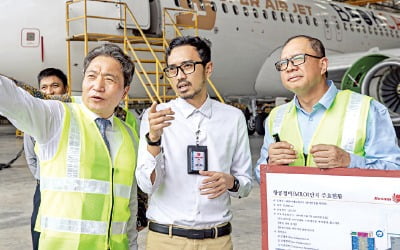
[(327, 27), (141, 11)]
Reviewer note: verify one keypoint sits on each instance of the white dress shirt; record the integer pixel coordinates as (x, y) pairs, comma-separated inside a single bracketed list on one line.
[(43, 119), (175, 195)]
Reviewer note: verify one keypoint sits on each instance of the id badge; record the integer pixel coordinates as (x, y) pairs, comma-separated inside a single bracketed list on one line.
[(196, 159)]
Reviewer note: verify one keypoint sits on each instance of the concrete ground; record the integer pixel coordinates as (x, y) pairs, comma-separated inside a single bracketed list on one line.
[(17, 188)]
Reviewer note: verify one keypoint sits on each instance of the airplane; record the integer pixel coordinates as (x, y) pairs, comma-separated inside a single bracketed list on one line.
[(362, 45)]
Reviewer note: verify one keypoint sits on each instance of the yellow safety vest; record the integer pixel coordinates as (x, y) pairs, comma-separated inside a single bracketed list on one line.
[(84, 196), (343, 124)]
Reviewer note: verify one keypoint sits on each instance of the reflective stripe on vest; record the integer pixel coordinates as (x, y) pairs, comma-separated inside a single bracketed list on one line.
[(351, 123), (82, 226), (277, 125), (74, 148), (84, 186)]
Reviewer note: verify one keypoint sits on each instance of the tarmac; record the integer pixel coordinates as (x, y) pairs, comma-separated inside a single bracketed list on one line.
[(17, 187)]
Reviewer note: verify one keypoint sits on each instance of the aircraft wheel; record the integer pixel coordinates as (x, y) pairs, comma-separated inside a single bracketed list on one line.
[(260, 119), (251, 126)]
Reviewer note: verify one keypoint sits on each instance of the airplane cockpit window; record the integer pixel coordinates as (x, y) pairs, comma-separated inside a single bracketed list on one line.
[(273, 15), (299, 19), (225, 7), (190, 4), (213, 6), (177, 3), (235, 9), (315, 22), (202, 6), (291, 17), (307, 20), (265, 14), (245, 11), (283, 17), (255, 12)]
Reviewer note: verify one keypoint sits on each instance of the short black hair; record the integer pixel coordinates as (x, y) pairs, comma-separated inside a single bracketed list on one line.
[(315, 43), (53, 72), (202, 45), (114, 51)]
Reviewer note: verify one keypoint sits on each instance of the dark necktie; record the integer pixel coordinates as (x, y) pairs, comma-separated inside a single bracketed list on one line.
[(102, 125)]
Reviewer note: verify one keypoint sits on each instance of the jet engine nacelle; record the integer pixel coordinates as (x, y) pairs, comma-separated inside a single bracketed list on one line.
[(383, 83), (378, 76)]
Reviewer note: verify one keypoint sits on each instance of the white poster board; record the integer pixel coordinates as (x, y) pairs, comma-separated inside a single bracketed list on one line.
[(309, 208)]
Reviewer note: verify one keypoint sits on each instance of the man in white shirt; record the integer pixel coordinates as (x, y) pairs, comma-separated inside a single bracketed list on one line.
[(193, 156), (87, 156), (52, 81)]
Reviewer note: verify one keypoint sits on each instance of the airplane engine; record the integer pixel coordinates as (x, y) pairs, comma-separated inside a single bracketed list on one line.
[(378, 76), (382, 82)]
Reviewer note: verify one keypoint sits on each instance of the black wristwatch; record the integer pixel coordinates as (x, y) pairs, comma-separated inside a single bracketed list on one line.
[(152, 143), (236, 185)]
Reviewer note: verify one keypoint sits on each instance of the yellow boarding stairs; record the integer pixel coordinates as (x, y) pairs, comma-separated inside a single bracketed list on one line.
[(146, 52)]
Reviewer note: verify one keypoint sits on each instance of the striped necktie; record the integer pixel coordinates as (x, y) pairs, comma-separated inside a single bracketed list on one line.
[(102, 125)]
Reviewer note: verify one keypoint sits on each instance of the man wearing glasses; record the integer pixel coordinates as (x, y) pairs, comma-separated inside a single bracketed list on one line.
[(193, 156), (322, 126)]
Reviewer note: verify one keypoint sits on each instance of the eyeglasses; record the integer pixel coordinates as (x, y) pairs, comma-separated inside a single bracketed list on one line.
[(296, 61), (187, 68)]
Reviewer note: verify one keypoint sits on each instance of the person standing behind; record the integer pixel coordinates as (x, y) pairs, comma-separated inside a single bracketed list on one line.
[(87, 157), (323, 126), (193, 156), (52, 81)]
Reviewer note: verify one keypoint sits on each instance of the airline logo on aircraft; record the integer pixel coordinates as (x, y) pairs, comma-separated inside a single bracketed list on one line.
[(369, 17), (277, 5), (204, 22)]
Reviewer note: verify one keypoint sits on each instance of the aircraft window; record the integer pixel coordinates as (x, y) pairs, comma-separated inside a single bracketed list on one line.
[(255, 12), (345, 26), (202, 6), (375, 31), (190, 4), (307, 20), (283, 17), (291, 18), (337, 25), (273, 15), (391, 33), (364, 29), (235, 9), (265, 14), (299, 19), (358, 28), (177, 3), (315, 21), (213, 6), (380, 31), (225, 7), (351, 27), (397, 33), (387, 32), (245, 11)]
